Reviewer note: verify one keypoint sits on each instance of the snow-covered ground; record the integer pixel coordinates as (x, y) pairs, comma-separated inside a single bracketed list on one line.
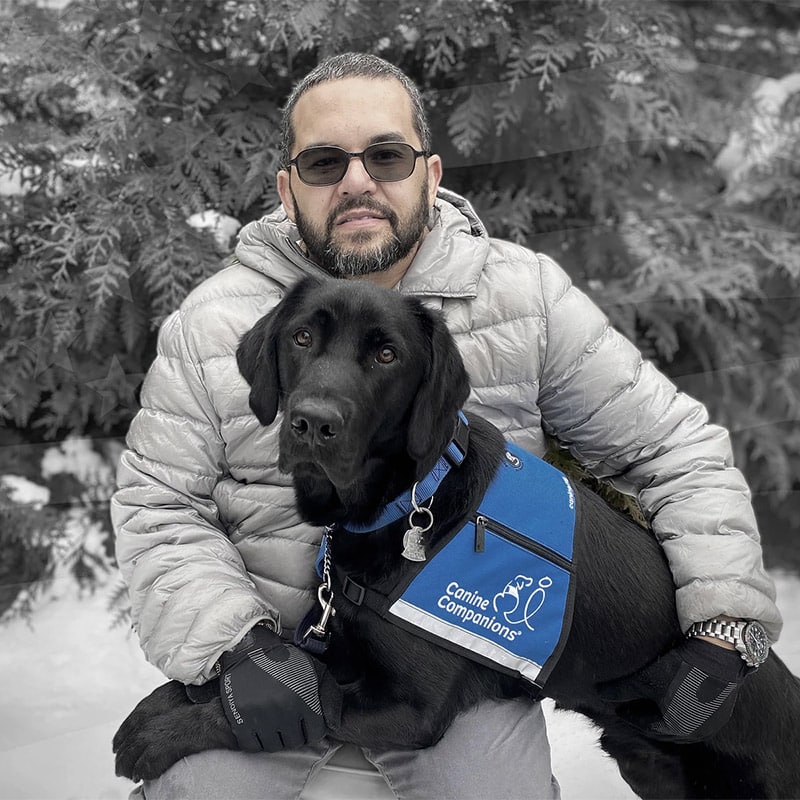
[(68, 679)]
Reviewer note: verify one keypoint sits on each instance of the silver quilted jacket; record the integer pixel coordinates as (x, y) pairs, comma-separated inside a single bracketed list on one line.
[(208, 539)]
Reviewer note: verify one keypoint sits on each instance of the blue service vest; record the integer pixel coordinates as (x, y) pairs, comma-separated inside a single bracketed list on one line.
[(500, 589)]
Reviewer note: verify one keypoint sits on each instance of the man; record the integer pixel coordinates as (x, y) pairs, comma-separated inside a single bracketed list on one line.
[(207, 534)]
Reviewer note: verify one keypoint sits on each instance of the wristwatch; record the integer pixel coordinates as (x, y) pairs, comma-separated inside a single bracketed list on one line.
[(748, 636)]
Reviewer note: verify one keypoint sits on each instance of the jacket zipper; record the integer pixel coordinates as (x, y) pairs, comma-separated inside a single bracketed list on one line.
[(484, 523)]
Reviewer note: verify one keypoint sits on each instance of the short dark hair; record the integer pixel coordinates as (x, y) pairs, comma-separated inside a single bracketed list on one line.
[(350, 65)]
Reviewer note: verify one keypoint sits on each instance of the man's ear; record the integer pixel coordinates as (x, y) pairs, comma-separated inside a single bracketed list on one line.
[(434, 177), (257, 357), (444, 391), (285, 193)]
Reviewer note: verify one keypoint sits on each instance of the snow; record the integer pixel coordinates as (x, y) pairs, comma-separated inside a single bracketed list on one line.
[(222, 226), (69, 679), (77, 456), (24, 492), (755, 146)]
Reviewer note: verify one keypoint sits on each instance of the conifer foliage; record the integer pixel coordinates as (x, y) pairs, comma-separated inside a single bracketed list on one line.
[(585, 128)]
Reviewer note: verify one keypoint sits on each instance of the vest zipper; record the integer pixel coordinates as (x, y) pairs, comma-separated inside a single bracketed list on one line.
[(484, 523)]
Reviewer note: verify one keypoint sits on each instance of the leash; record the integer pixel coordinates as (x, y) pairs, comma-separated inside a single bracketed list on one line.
[(310, 635)]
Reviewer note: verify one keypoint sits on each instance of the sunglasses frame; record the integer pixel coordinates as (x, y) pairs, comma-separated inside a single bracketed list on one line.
[(350, 156)]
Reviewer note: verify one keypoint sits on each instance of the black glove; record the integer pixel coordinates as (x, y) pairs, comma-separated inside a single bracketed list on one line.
[(694, 687), (270, 693)]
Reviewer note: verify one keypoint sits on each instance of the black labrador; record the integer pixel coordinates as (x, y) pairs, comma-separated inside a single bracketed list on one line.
[(370, 384)]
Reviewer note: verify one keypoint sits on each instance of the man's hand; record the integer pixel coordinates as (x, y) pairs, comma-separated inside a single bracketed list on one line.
[(693, 687), (270, 686), (270, 693)]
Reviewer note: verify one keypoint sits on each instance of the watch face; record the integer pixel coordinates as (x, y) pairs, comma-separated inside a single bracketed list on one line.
[(755, 642)]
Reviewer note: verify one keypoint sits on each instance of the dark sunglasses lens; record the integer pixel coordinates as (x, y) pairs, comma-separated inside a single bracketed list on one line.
[(321, 166), (389, 162)]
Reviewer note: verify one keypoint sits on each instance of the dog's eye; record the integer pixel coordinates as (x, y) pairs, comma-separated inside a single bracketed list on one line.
[(302, 338), (385, 355)]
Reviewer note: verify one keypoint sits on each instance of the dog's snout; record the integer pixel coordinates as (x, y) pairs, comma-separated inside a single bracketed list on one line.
[(318, 421)]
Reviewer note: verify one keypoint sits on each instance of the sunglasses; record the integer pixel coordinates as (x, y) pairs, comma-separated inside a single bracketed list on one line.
[(385, 161)]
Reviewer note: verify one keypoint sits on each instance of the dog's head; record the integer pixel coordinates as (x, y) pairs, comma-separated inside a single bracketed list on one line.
[(370, 383)]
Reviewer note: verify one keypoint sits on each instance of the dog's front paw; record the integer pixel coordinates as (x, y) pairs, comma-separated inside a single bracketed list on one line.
[(166, 727)]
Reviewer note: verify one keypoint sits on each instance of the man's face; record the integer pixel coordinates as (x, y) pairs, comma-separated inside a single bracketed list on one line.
[(359, 226)]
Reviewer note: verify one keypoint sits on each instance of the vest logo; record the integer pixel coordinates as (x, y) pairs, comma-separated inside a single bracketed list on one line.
[(519, 602), (514, 607)]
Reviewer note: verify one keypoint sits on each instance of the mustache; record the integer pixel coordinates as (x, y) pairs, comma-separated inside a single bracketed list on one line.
[(349, 203)]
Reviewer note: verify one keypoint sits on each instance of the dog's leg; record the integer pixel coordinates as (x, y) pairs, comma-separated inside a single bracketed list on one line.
[(625, 592), (653, 770), (166, 727), (759, 746), (373, 717)]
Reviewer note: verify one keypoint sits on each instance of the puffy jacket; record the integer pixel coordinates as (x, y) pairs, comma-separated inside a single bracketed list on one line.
[(208, 539)]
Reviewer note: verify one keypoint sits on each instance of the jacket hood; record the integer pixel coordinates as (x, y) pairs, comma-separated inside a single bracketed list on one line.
[(448, 264)]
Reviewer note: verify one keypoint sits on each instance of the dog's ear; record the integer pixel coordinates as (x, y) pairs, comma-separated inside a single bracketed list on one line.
[(257, 354), (442, 394), (257, 357)]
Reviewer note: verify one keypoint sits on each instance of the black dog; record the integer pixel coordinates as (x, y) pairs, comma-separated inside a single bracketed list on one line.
[(371, 384)]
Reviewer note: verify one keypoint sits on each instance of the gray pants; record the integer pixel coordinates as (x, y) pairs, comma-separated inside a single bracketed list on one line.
[(496, 750)]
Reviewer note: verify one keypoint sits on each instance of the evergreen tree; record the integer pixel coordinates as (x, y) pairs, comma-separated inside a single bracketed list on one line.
[(584, 128)]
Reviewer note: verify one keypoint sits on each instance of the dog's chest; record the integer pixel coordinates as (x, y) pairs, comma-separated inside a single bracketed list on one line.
[(499, 589)]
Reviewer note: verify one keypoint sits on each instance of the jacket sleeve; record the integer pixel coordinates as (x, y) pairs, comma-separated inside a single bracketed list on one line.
[(627, 422), (191, 596)]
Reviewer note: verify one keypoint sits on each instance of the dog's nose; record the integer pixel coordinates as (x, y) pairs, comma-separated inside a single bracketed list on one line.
[(317, 421)]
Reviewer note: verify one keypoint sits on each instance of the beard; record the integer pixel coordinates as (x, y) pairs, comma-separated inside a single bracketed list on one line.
[(361, 255)]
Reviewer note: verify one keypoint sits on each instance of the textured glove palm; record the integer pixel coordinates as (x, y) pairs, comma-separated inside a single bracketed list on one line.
[(270, 693), (693, 686)]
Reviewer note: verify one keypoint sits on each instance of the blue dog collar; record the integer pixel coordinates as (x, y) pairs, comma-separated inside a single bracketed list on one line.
[(402, 505)]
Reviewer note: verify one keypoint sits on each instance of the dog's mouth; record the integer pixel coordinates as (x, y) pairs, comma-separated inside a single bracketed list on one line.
[(341, 466), (341, 476)]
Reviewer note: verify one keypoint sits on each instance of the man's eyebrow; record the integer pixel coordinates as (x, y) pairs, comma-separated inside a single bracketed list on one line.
[(389, 136)]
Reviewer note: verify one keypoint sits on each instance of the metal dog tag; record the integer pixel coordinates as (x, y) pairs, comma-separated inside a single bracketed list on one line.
[(414, 544)]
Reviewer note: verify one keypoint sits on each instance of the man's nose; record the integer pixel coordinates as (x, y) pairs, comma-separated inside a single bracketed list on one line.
[(356, 180)]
